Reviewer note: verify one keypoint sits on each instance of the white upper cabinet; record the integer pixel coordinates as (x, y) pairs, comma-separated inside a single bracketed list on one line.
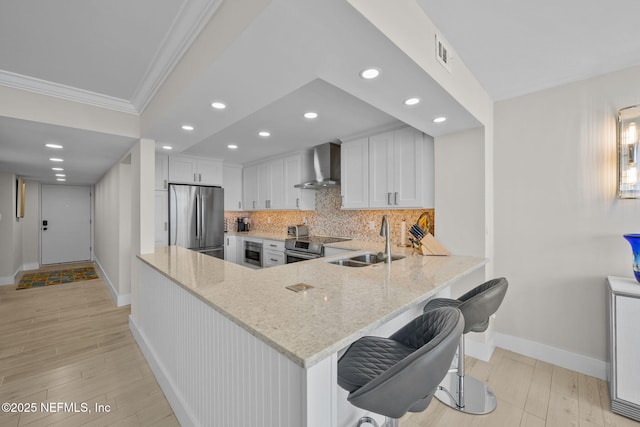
[(232, 184), (408, 167), (270, 184), (381, 170), (250, 187), (195, 170), (354, 171), (389, 170), (295, 173), (162, 171)]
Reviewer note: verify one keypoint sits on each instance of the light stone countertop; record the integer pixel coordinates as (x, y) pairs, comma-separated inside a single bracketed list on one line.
[(345, 303), (258, 235)]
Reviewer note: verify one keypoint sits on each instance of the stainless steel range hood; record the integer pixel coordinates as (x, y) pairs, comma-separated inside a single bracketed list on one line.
[(326, 164)]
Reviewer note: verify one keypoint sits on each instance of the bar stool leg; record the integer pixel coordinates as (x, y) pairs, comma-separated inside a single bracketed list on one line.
[(367, 420), (465, 393)]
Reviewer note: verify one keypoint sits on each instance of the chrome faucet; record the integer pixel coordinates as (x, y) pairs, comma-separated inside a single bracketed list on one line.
[(386, 233)]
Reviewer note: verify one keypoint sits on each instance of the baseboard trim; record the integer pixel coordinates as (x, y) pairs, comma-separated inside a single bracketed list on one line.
[(30, 266), (7, 280), (120, 300), (168, 388), (555, 356)]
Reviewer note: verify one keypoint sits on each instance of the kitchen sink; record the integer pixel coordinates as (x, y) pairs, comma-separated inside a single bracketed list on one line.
[(363, 260)]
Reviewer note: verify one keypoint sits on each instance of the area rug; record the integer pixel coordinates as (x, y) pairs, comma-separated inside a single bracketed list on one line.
[(56, 277)]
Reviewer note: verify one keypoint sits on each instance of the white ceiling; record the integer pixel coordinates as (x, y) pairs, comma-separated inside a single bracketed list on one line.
[(295, 55), (519, 47)]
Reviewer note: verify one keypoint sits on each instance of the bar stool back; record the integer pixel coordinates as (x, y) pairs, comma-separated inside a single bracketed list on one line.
[(390, 376)]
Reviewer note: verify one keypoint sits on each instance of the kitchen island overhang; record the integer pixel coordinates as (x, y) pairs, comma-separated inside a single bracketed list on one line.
[(232, 345)]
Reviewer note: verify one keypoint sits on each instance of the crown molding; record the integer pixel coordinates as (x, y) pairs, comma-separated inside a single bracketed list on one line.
[(43, 87), (192, 18)]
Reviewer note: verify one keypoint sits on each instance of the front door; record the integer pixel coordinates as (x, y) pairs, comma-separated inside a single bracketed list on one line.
[(65, 228)]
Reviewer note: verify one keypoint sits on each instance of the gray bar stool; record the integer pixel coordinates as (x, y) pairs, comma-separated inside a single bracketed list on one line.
[(459, 391), (390, 376)]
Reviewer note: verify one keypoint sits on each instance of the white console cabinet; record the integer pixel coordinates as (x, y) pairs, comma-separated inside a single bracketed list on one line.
[(623, 371)]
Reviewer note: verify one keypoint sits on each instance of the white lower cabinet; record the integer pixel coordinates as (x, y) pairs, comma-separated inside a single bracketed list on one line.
[(328, 251), (624, 346), (272, 253), (231, 249)]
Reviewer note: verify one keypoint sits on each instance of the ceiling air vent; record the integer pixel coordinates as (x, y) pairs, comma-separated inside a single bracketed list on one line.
[(443, 53)]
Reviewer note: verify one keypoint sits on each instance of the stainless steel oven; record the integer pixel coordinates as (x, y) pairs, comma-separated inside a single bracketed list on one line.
[(253, 253), (293, 256)]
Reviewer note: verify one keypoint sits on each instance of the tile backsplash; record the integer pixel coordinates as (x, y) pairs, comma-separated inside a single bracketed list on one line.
[(328, 219)]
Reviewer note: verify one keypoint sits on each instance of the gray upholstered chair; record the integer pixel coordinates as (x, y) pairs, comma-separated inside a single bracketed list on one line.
[(390, 376), (459, 391)]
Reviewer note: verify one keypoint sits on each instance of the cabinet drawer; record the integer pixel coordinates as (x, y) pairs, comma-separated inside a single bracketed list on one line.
[(276, 245), (273, 258)]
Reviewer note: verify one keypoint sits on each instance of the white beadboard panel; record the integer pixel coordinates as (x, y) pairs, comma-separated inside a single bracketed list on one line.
[(219, 374)]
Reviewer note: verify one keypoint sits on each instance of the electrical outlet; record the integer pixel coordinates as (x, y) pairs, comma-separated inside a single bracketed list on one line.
[(268, 220), (372, 225)]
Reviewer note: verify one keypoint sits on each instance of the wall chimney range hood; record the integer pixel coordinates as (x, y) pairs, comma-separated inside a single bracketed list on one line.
[(326, 164)]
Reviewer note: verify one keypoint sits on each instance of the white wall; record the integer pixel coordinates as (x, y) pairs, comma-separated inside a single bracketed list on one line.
[(558, 224), (106, 228)]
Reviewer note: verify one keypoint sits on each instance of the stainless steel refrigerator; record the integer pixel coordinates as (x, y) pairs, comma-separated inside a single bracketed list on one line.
[(196, 218)]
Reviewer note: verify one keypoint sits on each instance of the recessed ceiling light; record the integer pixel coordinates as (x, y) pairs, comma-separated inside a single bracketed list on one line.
[(187, 127), (232, 146), (53, 145), (167, 147), (264, 133), (60, 179), (411, 101), (54, 159), (57, 169), (61, 175), (218, 105), (310, 115), (439, 119), (370, 73)]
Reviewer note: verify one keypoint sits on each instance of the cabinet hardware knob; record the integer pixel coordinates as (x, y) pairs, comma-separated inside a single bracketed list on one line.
[(389, 198), (395, 198), (195, 178)]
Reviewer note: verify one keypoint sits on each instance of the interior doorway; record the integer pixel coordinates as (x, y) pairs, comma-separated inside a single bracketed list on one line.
[(65, 224)]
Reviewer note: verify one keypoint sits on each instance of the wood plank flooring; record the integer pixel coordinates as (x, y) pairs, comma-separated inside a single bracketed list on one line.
[(69, 343)]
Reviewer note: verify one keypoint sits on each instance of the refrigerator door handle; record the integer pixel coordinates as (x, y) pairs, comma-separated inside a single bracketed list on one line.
[(202, 221), (197, 219)]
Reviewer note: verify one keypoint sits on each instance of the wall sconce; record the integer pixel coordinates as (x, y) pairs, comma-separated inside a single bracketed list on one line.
[(628, 128)]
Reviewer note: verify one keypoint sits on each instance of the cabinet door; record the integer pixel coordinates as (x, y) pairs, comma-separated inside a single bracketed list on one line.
[(264, 186), (407, 191), (232, 184), (250, 187), (161, 218), (354, 165), (209, 171), (276, 198), (381, 170), (231, 249), (292, 176), (182, 169), (162, 171)]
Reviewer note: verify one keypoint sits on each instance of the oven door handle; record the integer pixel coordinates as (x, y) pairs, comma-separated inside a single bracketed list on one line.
[(302, 255)]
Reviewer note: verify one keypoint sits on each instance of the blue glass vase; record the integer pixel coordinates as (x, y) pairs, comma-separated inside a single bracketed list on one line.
[(634, 240)]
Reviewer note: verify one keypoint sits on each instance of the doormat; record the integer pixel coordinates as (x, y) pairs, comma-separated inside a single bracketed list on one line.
[(56, 277)]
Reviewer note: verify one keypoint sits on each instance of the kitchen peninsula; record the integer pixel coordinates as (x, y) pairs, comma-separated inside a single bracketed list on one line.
[(232, 346)]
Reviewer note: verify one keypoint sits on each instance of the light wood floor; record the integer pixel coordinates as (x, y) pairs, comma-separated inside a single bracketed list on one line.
[(69, 343)]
